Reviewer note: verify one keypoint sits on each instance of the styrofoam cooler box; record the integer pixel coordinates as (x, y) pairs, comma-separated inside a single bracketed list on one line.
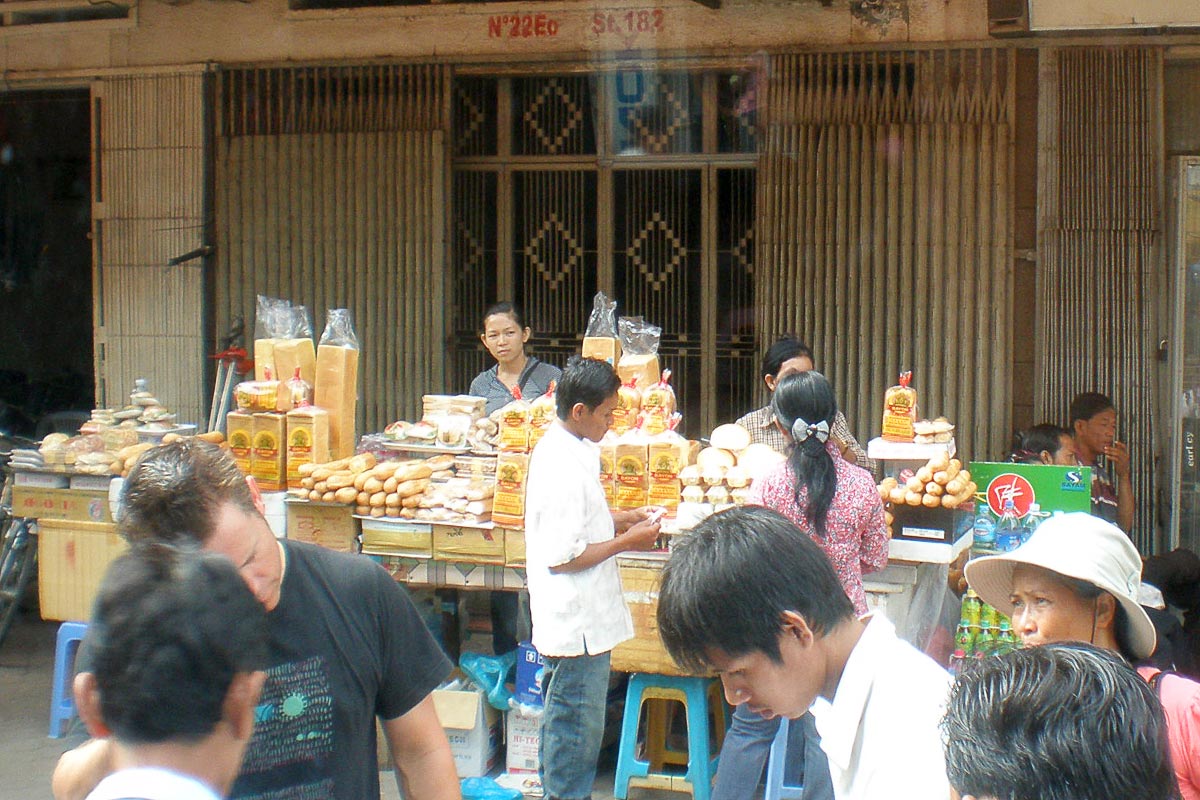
[(115, 487), (275, 511)]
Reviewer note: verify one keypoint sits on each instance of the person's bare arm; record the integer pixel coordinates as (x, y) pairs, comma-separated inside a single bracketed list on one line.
[(641, 536), (79, 770), (1118, 457), (424, 765)]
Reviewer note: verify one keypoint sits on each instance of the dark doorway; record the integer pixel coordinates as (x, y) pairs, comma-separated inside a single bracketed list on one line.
[(46, 361)]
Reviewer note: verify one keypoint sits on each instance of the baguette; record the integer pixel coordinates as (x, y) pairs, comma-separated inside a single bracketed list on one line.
[(412, 472), (414, 487), (362, 461)]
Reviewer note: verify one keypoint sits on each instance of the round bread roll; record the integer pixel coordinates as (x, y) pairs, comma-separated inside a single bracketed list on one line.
[(730, 436), (715, 456)]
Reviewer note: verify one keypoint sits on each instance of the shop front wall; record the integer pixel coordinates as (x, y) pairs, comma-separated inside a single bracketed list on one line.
[(277, 31)]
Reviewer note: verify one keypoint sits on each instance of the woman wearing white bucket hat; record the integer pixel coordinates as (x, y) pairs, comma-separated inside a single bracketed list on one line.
[(1077, 579)]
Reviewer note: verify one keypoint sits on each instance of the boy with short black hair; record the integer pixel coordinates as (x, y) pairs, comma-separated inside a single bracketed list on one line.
[(575, 598), (751, 596), (178, 645)]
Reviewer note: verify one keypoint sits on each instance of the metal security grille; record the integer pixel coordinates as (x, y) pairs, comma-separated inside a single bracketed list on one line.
[(331, 192), (1100, 242), (884, 229), (617, 181), (148, 156)]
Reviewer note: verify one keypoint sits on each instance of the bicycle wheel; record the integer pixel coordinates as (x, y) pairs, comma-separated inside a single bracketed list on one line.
[(18, 565)]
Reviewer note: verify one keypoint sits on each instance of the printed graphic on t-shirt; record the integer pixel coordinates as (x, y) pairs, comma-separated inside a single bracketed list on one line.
[(292, 745)]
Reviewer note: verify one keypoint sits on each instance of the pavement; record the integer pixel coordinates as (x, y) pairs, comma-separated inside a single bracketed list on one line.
[(28, 755)]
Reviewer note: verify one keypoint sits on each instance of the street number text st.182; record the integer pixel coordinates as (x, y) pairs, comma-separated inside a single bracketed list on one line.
[(629, 22)]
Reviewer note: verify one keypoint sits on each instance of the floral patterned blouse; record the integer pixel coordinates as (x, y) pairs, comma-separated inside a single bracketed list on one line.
[(856, 538)]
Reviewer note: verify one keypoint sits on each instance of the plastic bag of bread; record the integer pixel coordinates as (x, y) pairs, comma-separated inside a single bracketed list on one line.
[(600, 339), (514, 426), (658, 404), (900, 410), (639, 350), (542, 413), (629, 403)]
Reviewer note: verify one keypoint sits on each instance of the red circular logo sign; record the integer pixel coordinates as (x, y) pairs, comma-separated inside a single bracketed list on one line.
[(1009, 486)]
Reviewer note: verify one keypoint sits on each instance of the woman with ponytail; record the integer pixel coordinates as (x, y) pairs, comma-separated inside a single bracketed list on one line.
[(838, 505), (833, 501)]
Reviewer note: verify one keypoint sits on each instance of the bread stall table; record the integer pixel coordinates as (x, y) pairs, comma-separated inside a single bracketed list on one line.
[(77, 538)]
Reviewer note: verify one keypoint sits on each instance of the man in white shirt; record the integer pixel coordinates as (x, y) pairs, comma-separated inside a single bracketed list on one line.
[(751, 596), (571, 538), (178, 648)]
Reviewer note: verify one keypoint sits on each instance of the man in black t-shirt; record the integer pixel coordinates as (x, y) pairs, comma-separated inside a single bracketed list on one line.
[(346, 645)]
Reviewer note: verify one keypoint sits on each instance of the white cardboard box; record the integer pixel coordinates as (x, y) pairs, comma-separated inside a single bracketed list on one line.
[(523, 736), (473, 728)]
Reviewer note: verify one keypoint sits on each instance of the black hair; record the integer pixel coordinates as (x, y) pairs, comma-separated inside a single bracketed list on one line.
[(585, 380), (171, 628), (174, 491), (1027, 446), (808, 396), (1087, 405), (508, 309), (1063, 721), (1090, 592), (727, 584), (784, 349)]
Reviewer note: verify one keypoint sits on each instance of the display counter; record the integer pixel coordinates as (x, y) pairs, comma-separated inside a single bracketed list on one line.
[(77, 539)]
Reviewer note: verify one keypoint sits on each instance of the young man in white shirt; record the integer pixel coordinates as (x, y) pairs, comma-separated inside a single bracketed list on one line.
[(179, 645), (752, 597), (579, 613)]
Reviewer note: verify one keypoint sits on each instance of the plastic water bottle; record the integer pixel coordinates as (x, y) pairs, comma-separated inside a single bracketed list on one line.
[(985, 531), (1009, 530)]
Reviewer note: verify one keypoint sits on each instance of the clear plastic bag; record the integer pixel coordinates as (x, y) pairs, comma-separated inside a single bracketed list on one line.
[(339, 329), (638, 337), (603, 322)]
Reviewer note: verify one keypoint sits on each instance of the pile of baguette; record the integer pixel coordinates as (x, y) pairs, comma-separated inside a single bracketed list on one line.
[(376, 489), (124, 459), (941, 483)]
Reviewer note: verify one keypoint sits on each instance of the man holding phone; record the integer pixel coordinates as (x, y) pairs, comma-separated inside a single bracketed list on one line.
[(575, 598), (1094, 425)]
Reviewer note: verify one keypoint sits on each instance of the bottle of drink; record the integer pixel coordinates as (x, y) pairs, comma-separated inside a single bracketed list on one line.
[(1008, 636), (1033, 519), (972, 606), (985, 643), (984, 538), (957, 659), (964, 637), (1009, 530)]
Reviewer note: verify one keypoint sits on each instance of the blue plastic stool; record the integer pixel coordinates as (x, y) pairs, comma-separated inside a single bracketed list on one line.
[(702, 700), (62, 698), (776, 766)]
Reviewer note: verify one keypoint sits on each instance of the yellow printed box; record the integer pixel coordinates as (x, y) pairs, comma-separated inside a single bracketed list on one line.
[(471, 545), (514, 547), (388, 537), (66, 504), (327, 524)]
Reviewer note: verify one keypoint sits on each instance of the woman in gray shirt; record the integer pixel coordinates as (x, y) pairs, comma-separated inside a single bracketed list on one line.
[(504, 335)]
